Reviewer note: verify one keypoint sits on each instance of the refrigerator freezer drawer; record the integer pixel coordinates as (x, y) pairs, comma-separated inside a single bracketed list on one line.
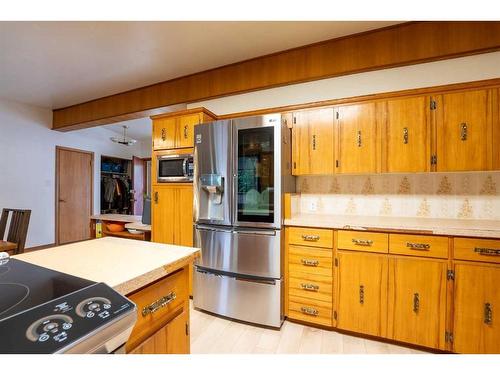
[(245, 252), (252, 301)]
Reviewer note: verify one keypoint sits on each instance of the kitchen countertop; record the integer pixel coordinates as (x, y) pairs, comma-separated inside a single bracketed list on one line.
[(446, 227), (125, 265), (132, 221)]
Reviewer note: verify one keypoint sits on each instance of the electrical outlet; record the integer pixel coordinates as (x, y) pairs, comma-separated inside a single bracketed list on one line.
[(313, 206)]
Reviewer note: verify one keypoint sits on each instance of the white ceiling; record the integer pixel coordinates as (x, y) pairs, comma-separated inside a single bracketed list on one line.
[(139, 129), (56, 64)]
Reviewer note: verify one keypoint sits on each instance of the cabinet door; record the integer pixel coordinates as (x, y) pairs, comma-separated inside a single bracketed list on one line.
[(163, 215), (464, 131), (185, 131), (164, 133), (417, 301), (313, 142), (406, 140), (184, 214), (173, 338), (476, 308), (358, 142), (362, 292)]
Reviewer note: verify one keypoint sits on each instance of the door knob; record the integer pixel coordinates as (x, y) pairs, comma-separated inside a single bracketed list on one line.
[(62, 201)]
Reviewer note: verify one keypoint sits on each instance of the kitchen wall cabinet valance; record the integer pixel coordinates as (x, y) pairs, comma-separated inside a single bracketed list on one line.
[(176, 130)]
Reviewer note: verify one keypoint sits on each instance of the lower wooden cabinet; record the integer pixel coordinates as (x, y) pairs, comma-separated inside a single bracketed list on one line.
[(476, 322), (362, 292), (417, 301)]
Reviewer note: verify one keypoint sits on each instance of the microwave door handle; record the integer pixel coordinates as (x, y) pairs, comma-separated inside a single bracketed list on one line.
[(184, 167)]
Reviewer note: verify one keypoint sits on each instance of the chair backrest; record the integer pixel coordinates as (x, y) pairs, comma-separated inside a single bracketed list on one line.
[(18, 227)]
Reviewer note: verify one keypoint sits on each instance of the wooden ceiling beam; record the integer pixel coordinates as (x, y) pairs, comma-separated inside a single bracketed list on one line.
[(398, 45)]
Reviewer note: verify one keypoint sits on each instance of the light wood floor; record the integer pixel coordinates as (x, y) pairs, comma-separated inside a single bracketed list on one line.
[(211, 334)]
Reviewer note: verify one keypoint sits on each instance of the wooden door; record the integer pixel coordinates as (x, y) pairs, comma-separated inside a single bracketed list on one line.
[(313, 142), (164, 133), (464, 131), (476, 309), (173, 338), (417, 301), (407, 136), (362, 292), (358, 144), (74, 194), (185, 130), (163, 214)]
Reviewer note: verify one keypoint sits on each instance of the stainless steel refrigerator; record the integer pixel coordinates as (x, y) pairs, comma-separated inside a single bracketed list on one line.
[(242, 168)]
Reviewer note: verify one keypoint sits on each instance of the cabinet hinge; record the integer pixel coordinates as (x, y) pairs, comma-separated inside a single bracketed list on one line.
[(448, 337), (434, 159), (450, 275), (294, 119), (337, 163), (294, 165), (335, 315), (187, 329), (336, 262), (337, 115), (433, 105)]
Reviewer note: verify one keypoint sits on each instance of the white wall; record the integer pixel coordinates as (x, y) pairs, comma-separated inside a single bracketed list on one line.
[(465, 69), (27, 163)]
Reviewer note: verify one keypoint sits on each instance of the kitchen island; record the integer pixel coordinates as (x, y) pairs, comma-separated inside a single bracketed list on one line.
[(154, 276)]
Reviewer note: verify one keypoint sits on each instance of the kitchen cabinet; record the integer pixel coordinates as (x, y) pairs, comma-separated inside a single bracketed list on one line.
[(313, 142), (476, 326), (362, 292), (406, 139), (359, 144), (464, 134), (176, 130), (417, 301)]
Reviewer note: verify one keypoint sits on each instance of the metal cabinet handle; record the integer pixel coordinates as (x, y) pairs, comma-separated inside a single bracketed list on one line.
[(313, 287), (310, 262), (416, 302), (418, 246), (314, 141), (361, 294), (488, 313), (405, 136), (360, 242), (463, 131), (486, 251), (309, 310), (156, 197), (310, 237), (185, 131), (358, 138), (158, 304), (163, 134)]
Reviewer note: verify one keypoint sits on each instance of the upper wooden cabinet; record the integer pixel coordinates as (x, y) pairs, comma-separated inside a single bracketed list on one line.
[(358, 145), (464, 135), (406, 139), (313, 142), (176, 130)]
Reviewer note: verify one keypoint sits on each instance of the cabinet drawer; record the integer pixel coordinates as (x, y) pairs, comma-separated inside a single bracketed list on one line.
[(171, 292), (310, 237), (311, 311), (310, 260), (424, 246), (317, 287), (477, 249), (363, 241)]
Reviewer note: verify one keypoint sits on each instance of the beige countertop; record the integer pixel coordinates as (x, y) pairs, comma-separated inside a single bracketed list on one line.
[(125, 265), (447, 227)]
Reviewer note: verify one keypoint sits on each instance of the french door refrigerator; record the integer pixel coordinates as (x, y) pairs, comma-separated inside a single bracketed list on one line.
[(242, 167)]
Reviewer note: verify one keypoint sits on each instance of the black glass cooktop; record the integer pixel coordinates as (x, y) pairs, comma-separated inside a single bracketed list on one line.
[(24, 285)]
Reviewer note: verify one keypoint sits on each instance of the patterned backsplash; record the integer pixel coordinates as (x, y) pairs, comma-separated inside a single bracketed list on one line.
[(470, 195)]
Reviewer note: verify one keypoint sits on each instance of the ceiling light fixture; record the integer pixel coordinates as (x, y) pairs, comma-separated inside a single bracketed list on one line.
[(124, 140)]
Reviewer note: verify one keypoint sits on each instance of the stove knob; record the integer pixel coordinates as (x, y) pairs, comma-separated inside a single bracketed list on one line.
[(94, 306), (50, 326)]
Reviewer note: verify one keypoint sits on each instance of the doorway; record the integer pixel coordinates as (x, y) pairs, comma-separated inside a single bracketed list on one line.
[(74, 194)]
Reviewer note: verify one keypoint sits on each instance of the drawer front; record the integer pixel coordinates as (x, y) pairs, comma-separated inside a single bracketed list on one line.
[(317, 287), (311, 311), (363, 241), (310, 260), (477, 249), (310, 237), (424, 246), (151, 315)]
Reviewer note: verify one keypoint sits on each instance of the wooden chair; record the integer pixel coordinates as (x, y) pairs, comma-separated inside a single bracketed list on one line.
[(18, 227)]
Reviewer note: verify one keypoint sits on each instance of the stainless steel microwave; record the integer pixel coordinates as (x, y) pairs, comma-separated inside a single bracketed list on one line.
[(174, 168)]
